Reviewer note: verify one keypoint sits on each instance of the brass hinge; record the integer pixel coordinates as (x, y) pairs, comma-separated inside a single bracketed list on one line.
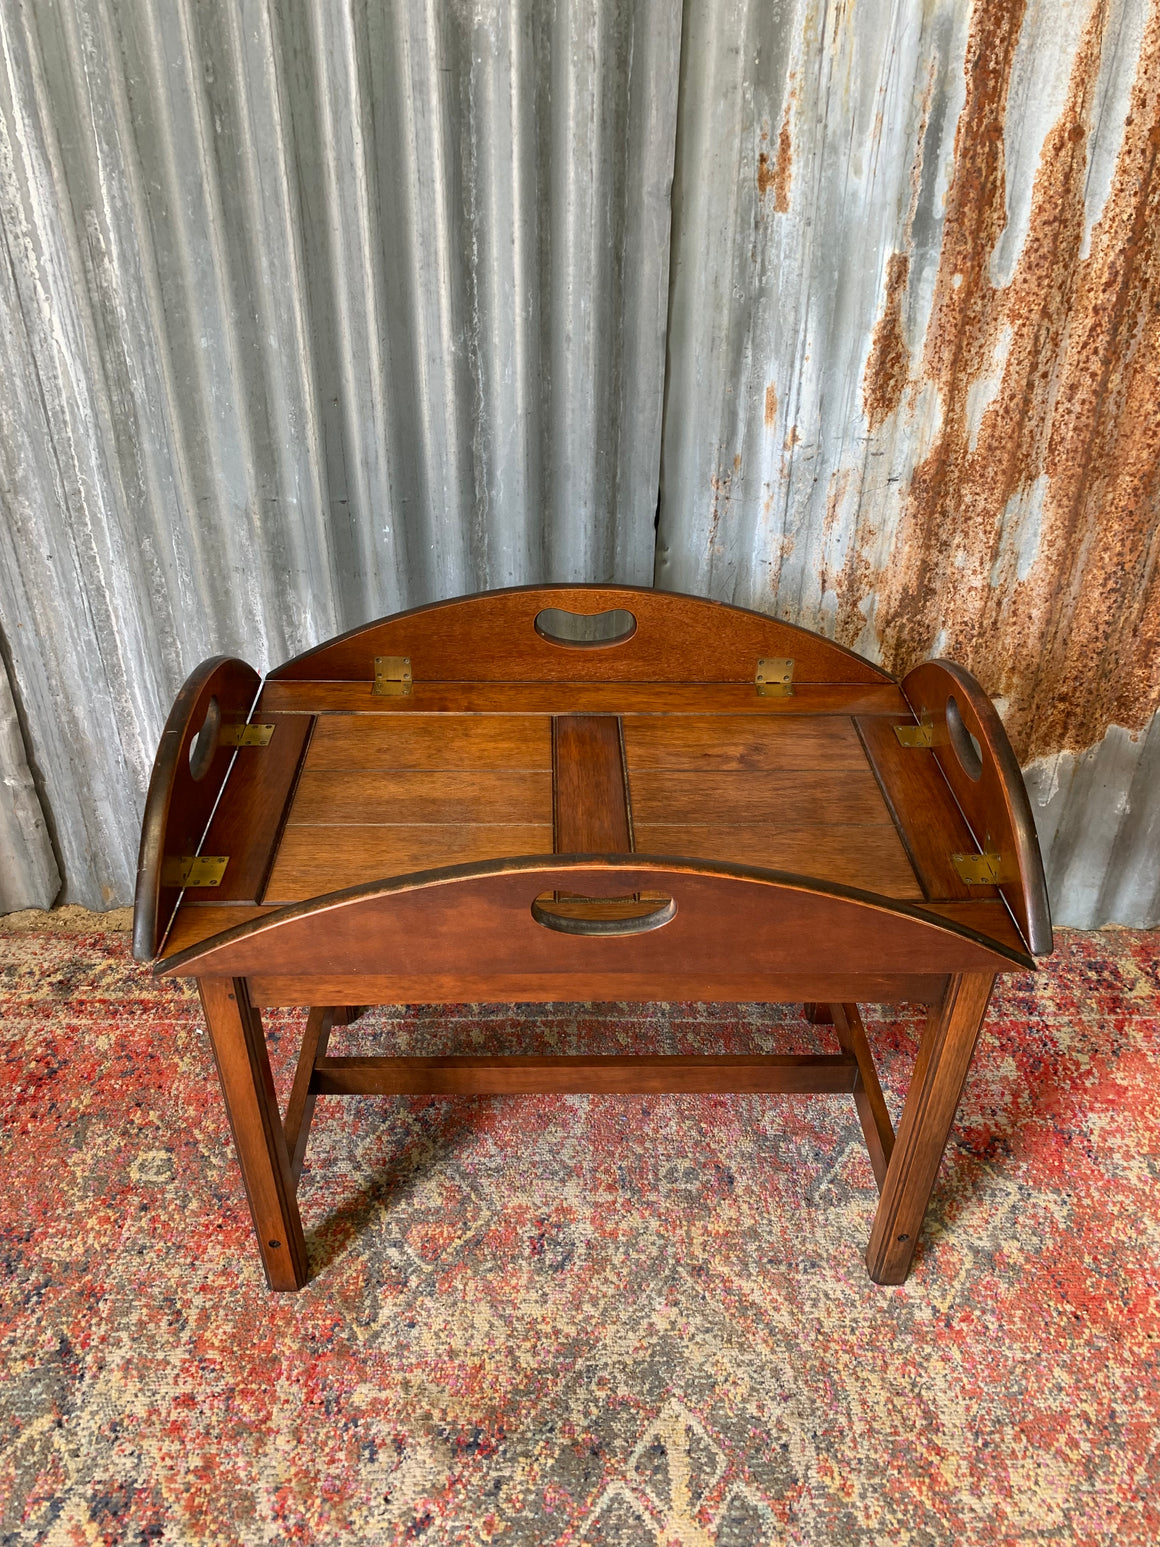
[(392, 676), (774, 676), (240, 735), (915, 735), (194, 870), (978, 869)]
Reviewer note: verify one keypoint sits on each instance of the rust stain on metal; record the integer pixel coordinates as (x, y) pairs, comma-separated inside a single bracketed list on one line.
[(855, 582), (840, 580), (770, 406), (1029, 535), (783, 167), (888, 367), (887, 372), (774, 174), (722, 485)]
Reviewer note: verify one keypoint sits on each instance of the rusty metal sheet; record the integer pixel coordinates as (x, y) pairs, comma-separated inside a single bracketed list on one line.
[(914, 376)]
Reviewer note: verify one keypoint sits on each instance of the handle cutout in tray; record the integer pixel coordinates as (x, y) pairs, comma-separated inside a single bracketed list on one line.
[(205, 743), (585, 630), (571, 914), (964, 743)]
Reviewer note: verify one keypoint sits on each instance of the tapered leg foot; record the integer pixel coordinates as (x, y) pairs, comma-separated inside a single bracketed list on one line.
[(239, 1045), (939, 1074)]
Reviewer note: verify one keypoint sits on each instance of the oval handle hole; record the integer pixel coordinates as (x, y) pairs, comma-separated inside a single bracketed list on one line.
[(585, 630), (204, 744), (964, 745), (575, 915)]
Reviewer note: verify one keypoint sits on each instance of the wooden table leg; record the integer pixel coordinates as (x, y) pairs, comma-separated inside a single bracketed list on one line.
[(300, 1107), (940, 1070), (868, 1097), (239, 1045)]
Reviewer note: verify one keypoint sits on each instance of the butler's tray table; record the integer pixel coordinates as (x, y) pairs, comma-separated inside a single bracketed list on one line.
[(587, 793)]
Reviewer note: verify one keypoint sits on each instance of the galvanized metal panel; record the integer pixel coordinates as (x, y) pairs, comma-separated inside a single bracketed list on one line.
[(914, 368), (28, 874), (310, 312), (1098, 817)]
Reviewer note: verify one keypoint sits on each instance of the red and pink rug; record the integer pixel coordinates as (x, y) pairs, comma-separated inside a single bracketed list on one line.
[(578, 1320)]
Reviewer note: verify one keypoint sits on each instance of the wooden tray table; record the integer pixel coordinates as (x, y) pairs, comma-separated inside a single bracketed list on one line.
[(587, 793)]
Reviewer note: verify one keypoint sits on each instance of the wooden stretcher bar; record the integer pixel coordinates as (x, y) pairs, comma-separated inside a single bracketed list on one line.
[(587, 793)]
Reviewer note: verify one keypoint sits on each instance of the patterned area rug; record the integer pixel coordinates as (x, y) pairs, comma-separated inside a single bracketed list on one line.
[(578, 1320)]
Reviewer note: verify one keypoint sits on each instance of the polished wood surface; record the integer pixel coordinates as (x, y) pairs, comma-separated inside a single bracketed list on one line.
[(594, 987), (243, 1064), (517, 1075), (591, 813), (940, 1071), (987, 917), (992, 795), (930, 825), (303, 1095), (408, 740), (545, 820), (392, 796), (733, 698), (868, 1098), (800, 797), (314, 860), (414, 792), (477, 920), (181, 798), (198, 922), (248, 825), (868, 856), (445, 797), (492, 637), (692, 742)]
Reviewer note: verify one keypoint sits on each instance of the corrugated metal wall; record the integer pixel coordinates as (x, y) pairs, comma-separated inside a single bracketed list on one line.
[(914, 370), (310, 312)]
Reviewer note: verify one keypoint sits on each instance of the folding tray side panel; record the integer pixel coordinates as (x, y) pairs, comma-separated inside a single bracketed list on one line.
[(505, 636), (726, 932)]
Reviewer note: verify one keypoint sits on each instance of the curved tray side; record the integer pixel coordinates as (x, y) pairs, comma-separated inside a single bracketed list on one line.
[(492, 637), (992, 795), (178, 805), (476, 921)]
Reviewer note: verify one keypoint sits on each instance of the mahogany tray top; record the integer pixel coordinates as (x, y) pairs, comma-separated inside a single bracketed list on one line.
[(579, 793)]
